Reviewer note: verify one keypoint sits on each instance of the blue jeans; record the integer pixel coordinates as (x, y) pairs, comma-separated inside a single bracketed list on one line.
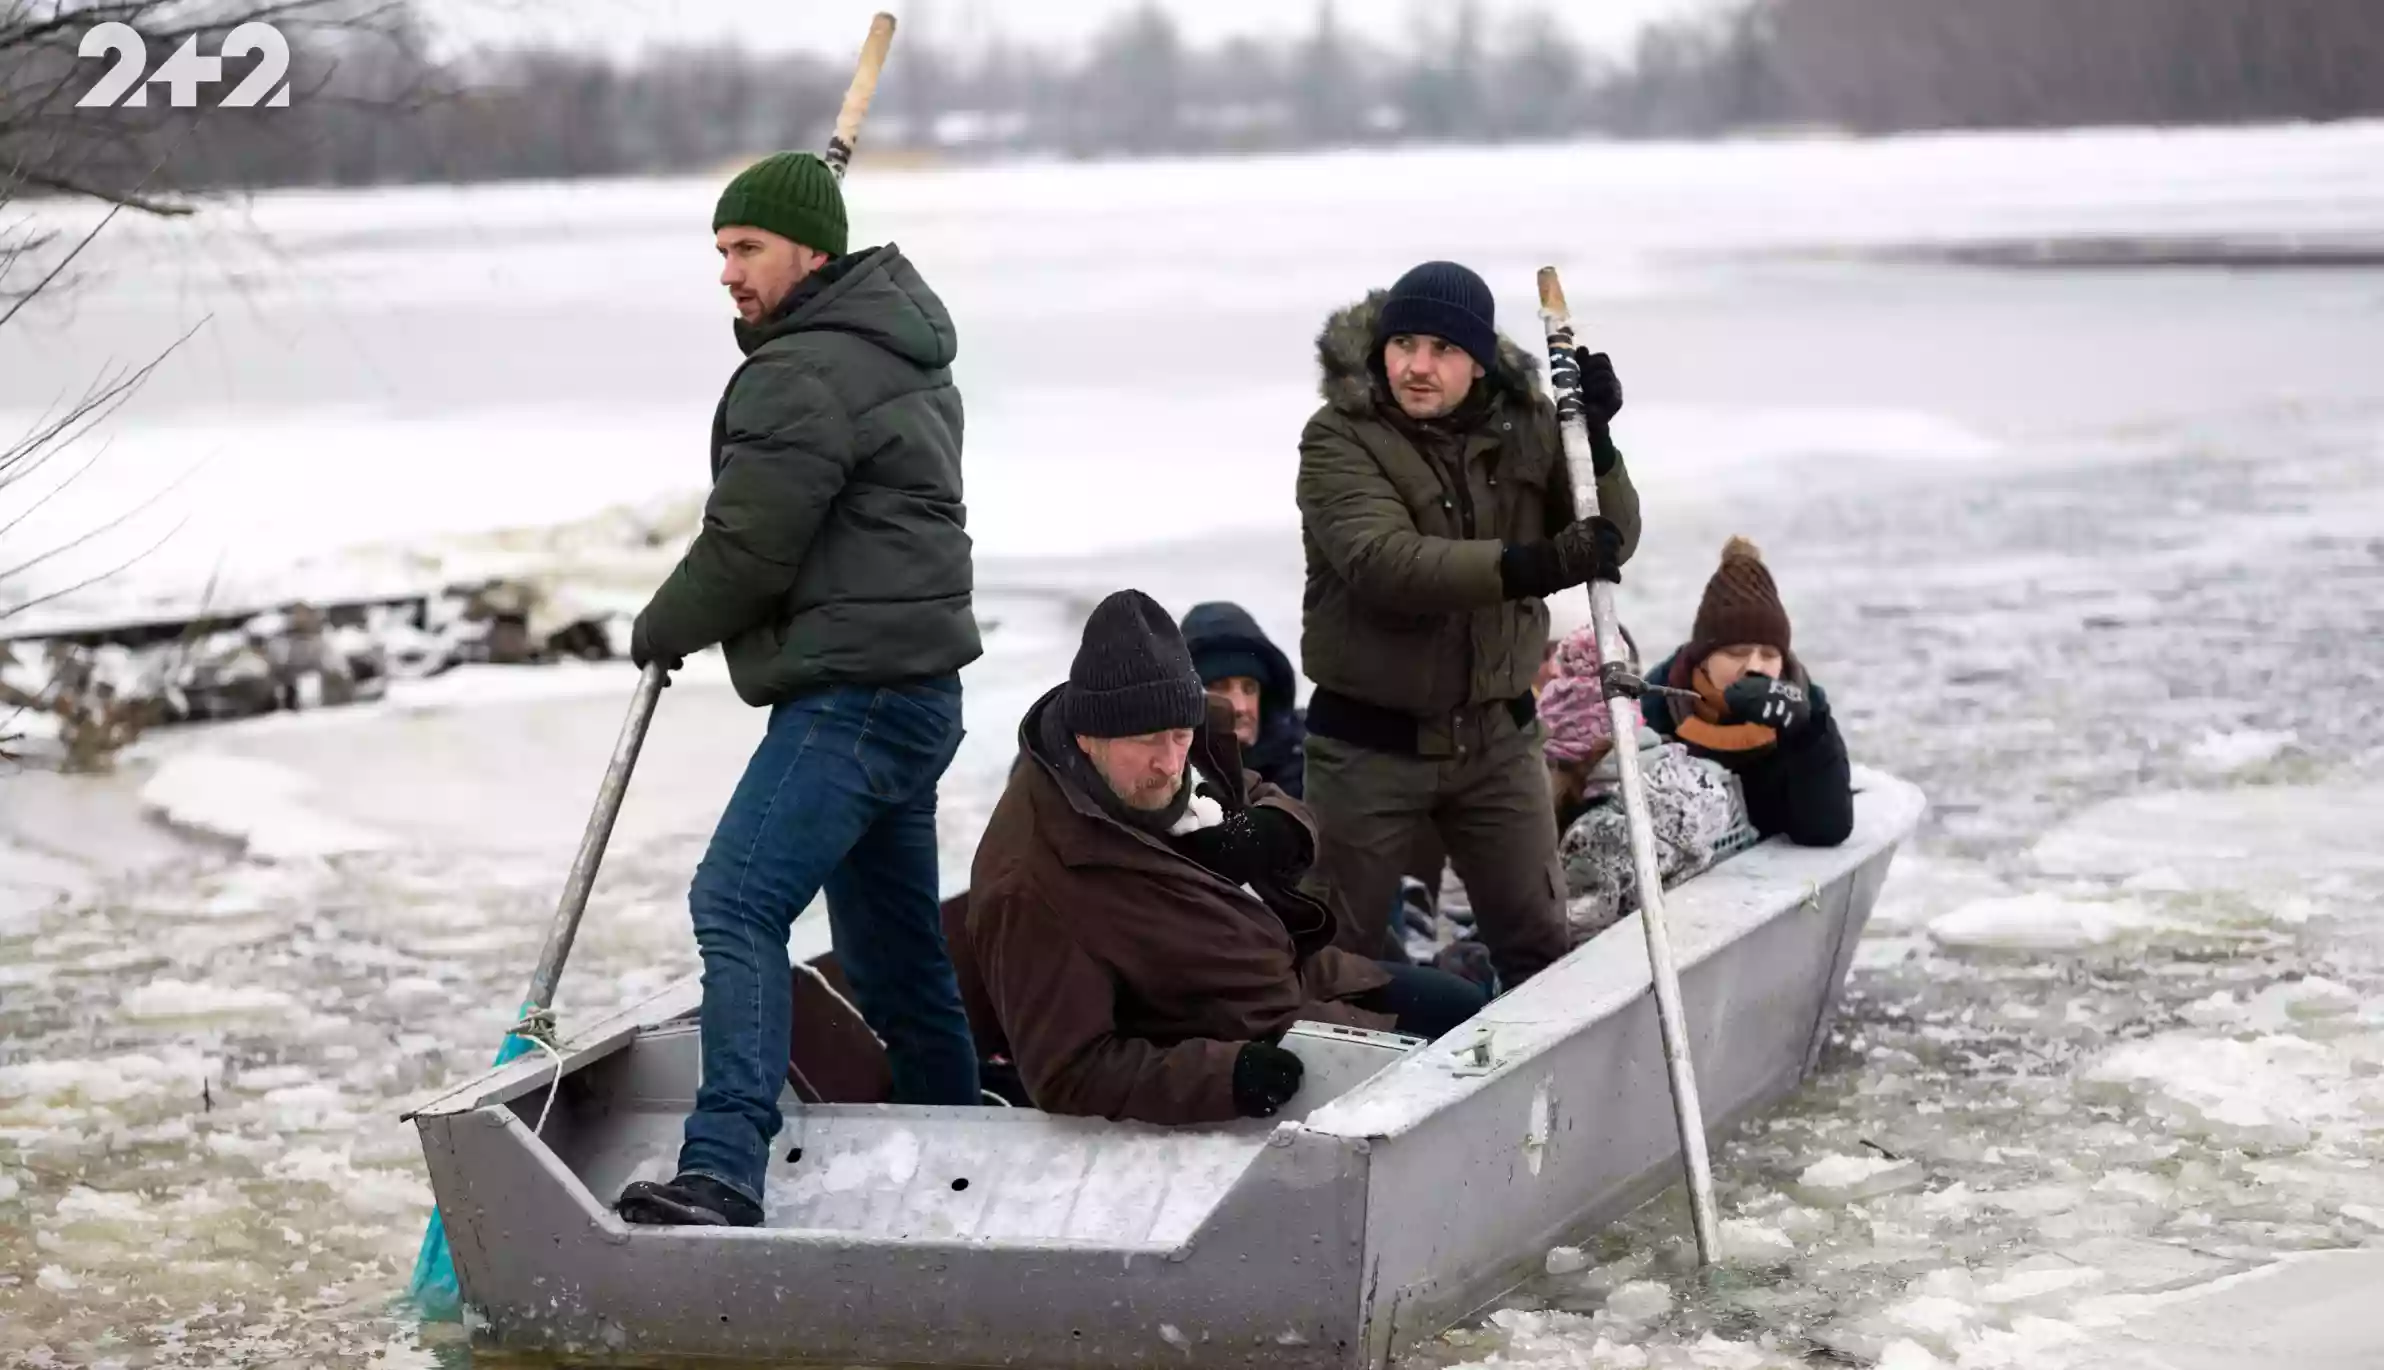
[(1428, 1003), (840, 794)]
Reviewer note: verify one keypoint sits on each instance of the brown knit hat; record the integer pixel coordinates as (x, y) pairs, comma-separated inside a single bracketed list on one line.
[(1741, 605)]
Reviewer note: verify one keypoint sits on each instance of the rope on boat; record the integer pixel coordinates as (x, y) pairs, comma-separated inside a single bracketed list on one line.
[(538, 1029)]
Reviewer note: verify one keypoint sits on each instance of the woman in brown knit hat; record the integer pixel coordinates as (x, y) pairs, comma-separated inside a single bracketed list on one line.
[(1756, 711)]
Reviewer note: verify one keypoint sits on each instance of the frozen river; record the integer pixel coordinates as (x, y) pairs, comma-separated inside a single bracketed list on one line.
[(2097, 558)]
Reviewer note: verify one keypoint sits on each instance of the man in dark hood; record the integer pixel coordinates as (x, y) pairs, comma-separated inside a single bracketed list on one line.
[(1240, 665)]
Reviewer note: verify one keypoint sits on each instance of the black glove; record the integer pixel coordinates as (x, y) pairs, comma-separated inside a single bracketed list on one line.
[(1251, 845), (1587, 549), (641, 651), (1755, 698), (1601, 389), (1601, 400), (1265, 1076)]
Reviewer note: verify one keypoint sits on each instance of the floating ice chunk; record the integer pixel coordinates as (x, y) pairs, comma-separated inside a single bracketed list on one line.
[(56, 1280), (1906, 1354), (2135, 1186), (307, 1108), (1533, 1336), (2358, 1213), (1747, 1242), (2252, 838), (1566, 1260), (181, 1001), (1952, 1282), (111, 1080), (8, 1188), (412, 987), (2135, 1265), (1851, 1179), (2223, 753), (83, 1205), (262, 1079), (1932, 1317), (1639, 1302), (1713, 1353), (1886, 953), (2220, 1009), (270, 809), (2158, 880), (2315, 997), (2263, 1093), (2039, 1287), (2039, 922)]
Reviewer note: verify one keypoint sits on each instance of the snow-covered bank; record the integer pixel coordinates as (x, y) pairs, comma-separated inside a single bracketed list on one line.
[(393, 365)]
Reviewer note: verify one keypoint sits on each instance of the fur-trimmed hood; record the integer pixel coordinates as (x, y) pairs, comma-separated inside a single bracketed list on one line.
[(1350, 365)]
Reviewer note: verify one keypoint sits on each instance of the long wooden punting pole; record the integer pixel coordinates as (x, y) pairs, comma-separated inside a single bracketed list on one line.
[(1564, 376)]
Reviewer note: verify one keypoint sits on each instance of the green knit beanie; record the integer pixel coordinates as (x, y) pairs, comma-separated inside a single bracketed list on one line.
[(792, 194)]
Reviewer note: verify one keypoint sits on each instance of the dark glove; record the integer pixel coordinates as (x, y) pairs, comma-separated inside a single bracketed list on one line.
[(1601, 400), (1265, 1076), (1587, 549), (641, 651), (1251, 845), (1773, 703), (1601, 389)]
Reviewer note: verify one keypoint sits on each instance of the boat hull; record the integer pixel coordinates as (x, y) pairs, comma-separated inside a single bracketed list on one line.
[(983, 1236)]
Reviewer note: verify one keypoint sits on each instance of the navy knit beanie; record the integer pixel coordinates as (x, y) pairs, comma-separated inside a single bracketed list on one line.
[(1132, 674), (1447, 301)]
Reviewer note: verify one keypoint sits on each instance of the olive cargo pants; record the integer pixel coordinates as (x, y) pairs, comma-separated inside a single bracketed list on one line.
[(1488, 802)]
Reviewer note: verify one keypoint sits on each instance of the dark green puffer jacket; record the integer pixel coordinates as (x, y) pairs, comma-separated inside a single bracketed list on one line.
[(834, 547)]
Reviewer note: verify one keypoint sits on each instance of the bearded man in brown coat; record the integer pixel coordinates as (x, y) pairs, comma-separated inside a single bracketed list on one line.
[(1134, 909)]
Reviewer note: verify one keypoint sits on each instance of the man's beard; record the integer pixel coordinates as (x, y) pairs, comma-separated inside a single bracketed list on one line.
[(1150, 796)]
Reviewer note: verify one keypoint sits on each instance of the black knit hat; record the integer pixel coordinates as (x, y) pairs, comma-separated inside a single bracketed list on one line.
[(1446, 301), (1132, 674)]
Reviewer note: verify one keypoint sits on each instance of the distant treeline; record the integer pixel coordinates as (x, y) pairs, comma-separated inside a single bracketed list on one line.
[(369, 107)]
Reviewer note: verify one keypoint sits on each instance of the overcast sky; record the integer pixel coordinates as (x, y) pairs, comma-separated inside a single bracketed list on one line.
[(836, 26)]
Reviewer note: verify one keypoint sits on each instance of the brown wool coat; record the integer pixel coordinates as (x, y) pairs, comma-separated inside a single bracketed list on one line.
[(1125, 975)]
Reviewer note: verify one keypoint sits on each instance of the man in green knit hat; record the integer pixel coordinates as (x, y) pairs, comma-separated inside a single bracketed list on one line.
[(833, 568)]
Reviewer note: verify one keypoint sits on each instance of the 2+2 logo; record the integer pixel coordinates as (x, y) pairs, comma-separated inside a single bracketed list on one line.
[(185, 71)]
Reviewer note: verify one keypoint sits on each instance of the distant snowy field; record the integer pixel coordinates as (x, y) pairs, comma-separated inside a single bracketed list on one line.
[(1136, 339), (2097, 558)]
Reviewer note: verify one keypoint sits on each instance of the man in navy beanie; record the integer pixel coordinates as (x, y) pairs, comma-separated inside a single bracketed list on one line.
[(1438, 515)]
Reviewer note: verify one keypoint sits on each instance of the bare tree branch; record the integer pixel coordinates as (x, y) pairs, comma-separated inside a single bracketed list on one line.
[(112, 572), (98, 401), (121, 199)]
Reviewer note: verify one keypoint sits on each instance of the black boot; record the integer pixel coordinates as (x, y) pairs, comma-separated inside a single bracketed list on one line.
[(688, 1201)]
